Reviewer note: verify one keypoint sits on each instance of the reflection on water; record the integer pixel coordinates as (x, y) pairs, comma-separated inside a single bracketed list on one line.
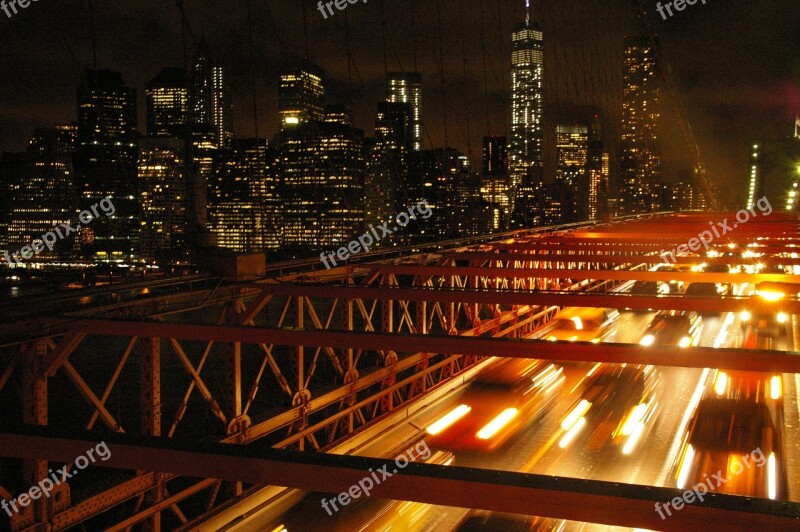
[(17, 291)]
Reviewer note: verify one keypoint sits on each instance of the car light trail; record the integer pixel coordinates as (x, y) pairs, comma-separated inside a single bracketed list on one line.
[(448, 419), (690, 408), (570, 435), (775, 387), (577, 412), (494, 426), (686, 466), (634, 419), (634, 439), (720, 383), (772, 476)]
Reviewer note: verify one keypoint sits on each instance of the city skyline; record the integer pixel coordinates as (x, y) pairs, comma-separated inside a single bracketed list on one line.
[(250, 250), (723, 135)]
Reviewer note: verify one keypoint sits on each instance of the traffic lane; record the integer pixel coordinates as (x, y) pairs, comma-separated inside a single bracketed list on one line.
[(535, 448), (538, 442), (647, 466), (362, 514), (588, 458), (646, 463), (372, 514), (531, 450)]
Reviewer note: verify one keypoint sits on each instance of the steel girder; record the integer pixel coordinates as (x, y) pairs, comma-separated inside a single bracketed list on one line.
[(565, 498), (691, 357), (361, 397), (385, 337)]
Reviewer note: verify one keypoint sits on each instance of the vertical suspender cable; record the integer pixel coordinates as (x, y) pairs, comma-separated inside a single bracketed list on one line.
[(441, 69), (349, 59), (383, 33), (503, 58), (485, 80), (252, 68), (466, 77), (94, 36), (414, 33), (305, 32)]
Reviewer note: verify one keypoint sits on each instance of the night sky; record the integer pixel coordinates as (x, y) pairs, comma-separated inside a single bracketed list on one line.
[(736, 64)]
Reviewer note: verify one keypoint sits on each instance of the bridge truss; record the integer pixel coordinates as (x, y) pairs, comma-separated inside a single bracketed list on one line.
[(307, 361)]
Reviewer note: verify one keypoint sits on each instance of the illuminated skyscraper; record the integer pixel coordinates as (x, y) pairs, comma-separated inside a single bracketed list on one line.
[(572, 150), (436, 177), (211, 105), (260, 159), (106, 162), (775, 173), (162, 195), (321, 165), (168, 104), (406, 87), (393, 124), (12, 166), (45, 196), (527, 104), (300, 164), (301, 96), (683, 195), (598, 168), (242, 206), (494, 156), (386, 163), (640, 121), (604, 196), (495, 179)]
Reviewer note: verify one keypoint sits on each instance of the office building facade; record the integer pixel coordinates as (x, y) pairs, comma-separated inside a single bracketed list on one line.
[(106, 156), (406, 87), (641, 163)]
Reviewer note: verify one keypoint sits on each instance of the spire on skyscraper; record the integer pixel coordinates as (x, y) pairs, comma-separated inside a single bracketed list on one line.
[(527, 12)]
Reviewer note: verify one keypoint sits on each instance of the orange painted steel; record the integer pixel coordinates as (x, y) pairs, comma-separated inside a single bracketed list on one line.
[(343, 349), (521, 493)]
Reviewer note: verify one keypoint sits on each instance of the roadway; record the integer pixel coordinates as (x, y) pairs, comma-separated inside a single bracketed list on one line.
[(536, 449)]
